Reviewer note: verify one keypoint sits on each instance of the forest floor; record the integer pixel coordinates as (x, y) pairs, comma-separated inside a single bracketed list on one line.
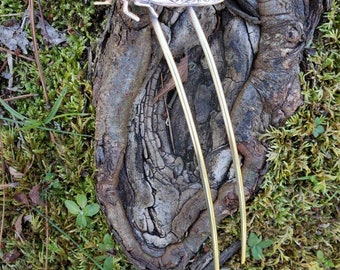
[(50, 218)]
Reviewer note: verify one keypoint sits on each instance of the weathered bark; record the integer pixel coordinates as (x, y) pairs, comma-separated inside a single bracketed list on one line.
[(148, 182)]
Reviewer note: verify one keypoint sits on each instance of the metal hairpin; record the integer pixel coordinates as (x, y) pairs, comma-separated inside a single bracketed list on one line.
[(187, 112)]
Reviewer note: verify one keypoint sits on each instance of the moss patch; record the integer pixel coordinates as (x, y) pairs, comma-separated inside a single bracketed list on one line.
[(47, 154)]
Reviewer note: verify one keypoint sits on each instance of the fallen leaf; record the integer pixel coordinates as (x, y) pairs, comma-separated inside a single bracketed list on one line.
[(18, 226), (11, 256), (13, 37), (12, 184), (52, 35), (34, 195), (15, 173), (21, 198), (183, 73)]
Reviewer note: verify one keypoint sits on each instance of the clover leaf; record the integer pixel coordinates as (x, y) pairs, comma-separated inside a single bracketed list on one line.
[(83, 210), (256, 246)]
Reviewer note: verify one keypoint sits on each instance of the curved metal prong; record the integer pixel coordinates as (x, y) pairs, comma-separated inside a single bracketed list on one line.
[(127, 11), (146, 3), (125, 8), (228, 125), (193, 133), (98, 3)]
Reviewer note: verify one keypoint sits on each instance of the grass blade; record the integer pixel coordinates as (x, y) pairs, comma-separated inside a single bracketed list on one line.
[(13, 112), (56, 106)]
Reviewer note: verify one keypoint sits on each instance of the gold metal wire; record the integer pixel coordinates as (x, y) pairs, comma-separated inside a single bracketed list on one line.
[(228, 125), (193, 133)]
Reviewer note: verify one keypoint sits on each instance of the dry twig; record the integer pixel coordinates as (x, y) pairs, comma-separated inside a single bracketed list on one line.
[(16, 54), (36, 51), (47, 228), (19, 97), (3, 167)]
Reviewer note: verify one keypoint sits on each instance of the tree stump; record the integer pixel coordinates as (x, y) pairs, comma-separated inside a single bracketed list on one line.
[(148, 183)]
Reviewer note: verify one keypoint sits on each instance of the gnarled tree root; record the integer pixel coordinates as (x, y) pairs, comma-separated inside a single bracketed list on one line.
[(148, 183)]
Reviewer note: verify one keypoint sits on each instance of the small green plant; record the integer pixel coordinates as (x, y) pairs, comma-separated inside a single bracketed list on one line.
[(82, 209), (256, 245), (107, 247), (28, 123), (323, 261), (318, 127)]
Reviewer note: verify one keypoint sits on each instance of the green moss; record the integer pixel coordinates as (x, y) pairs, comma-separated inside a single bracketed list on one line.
[(61, 164)]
